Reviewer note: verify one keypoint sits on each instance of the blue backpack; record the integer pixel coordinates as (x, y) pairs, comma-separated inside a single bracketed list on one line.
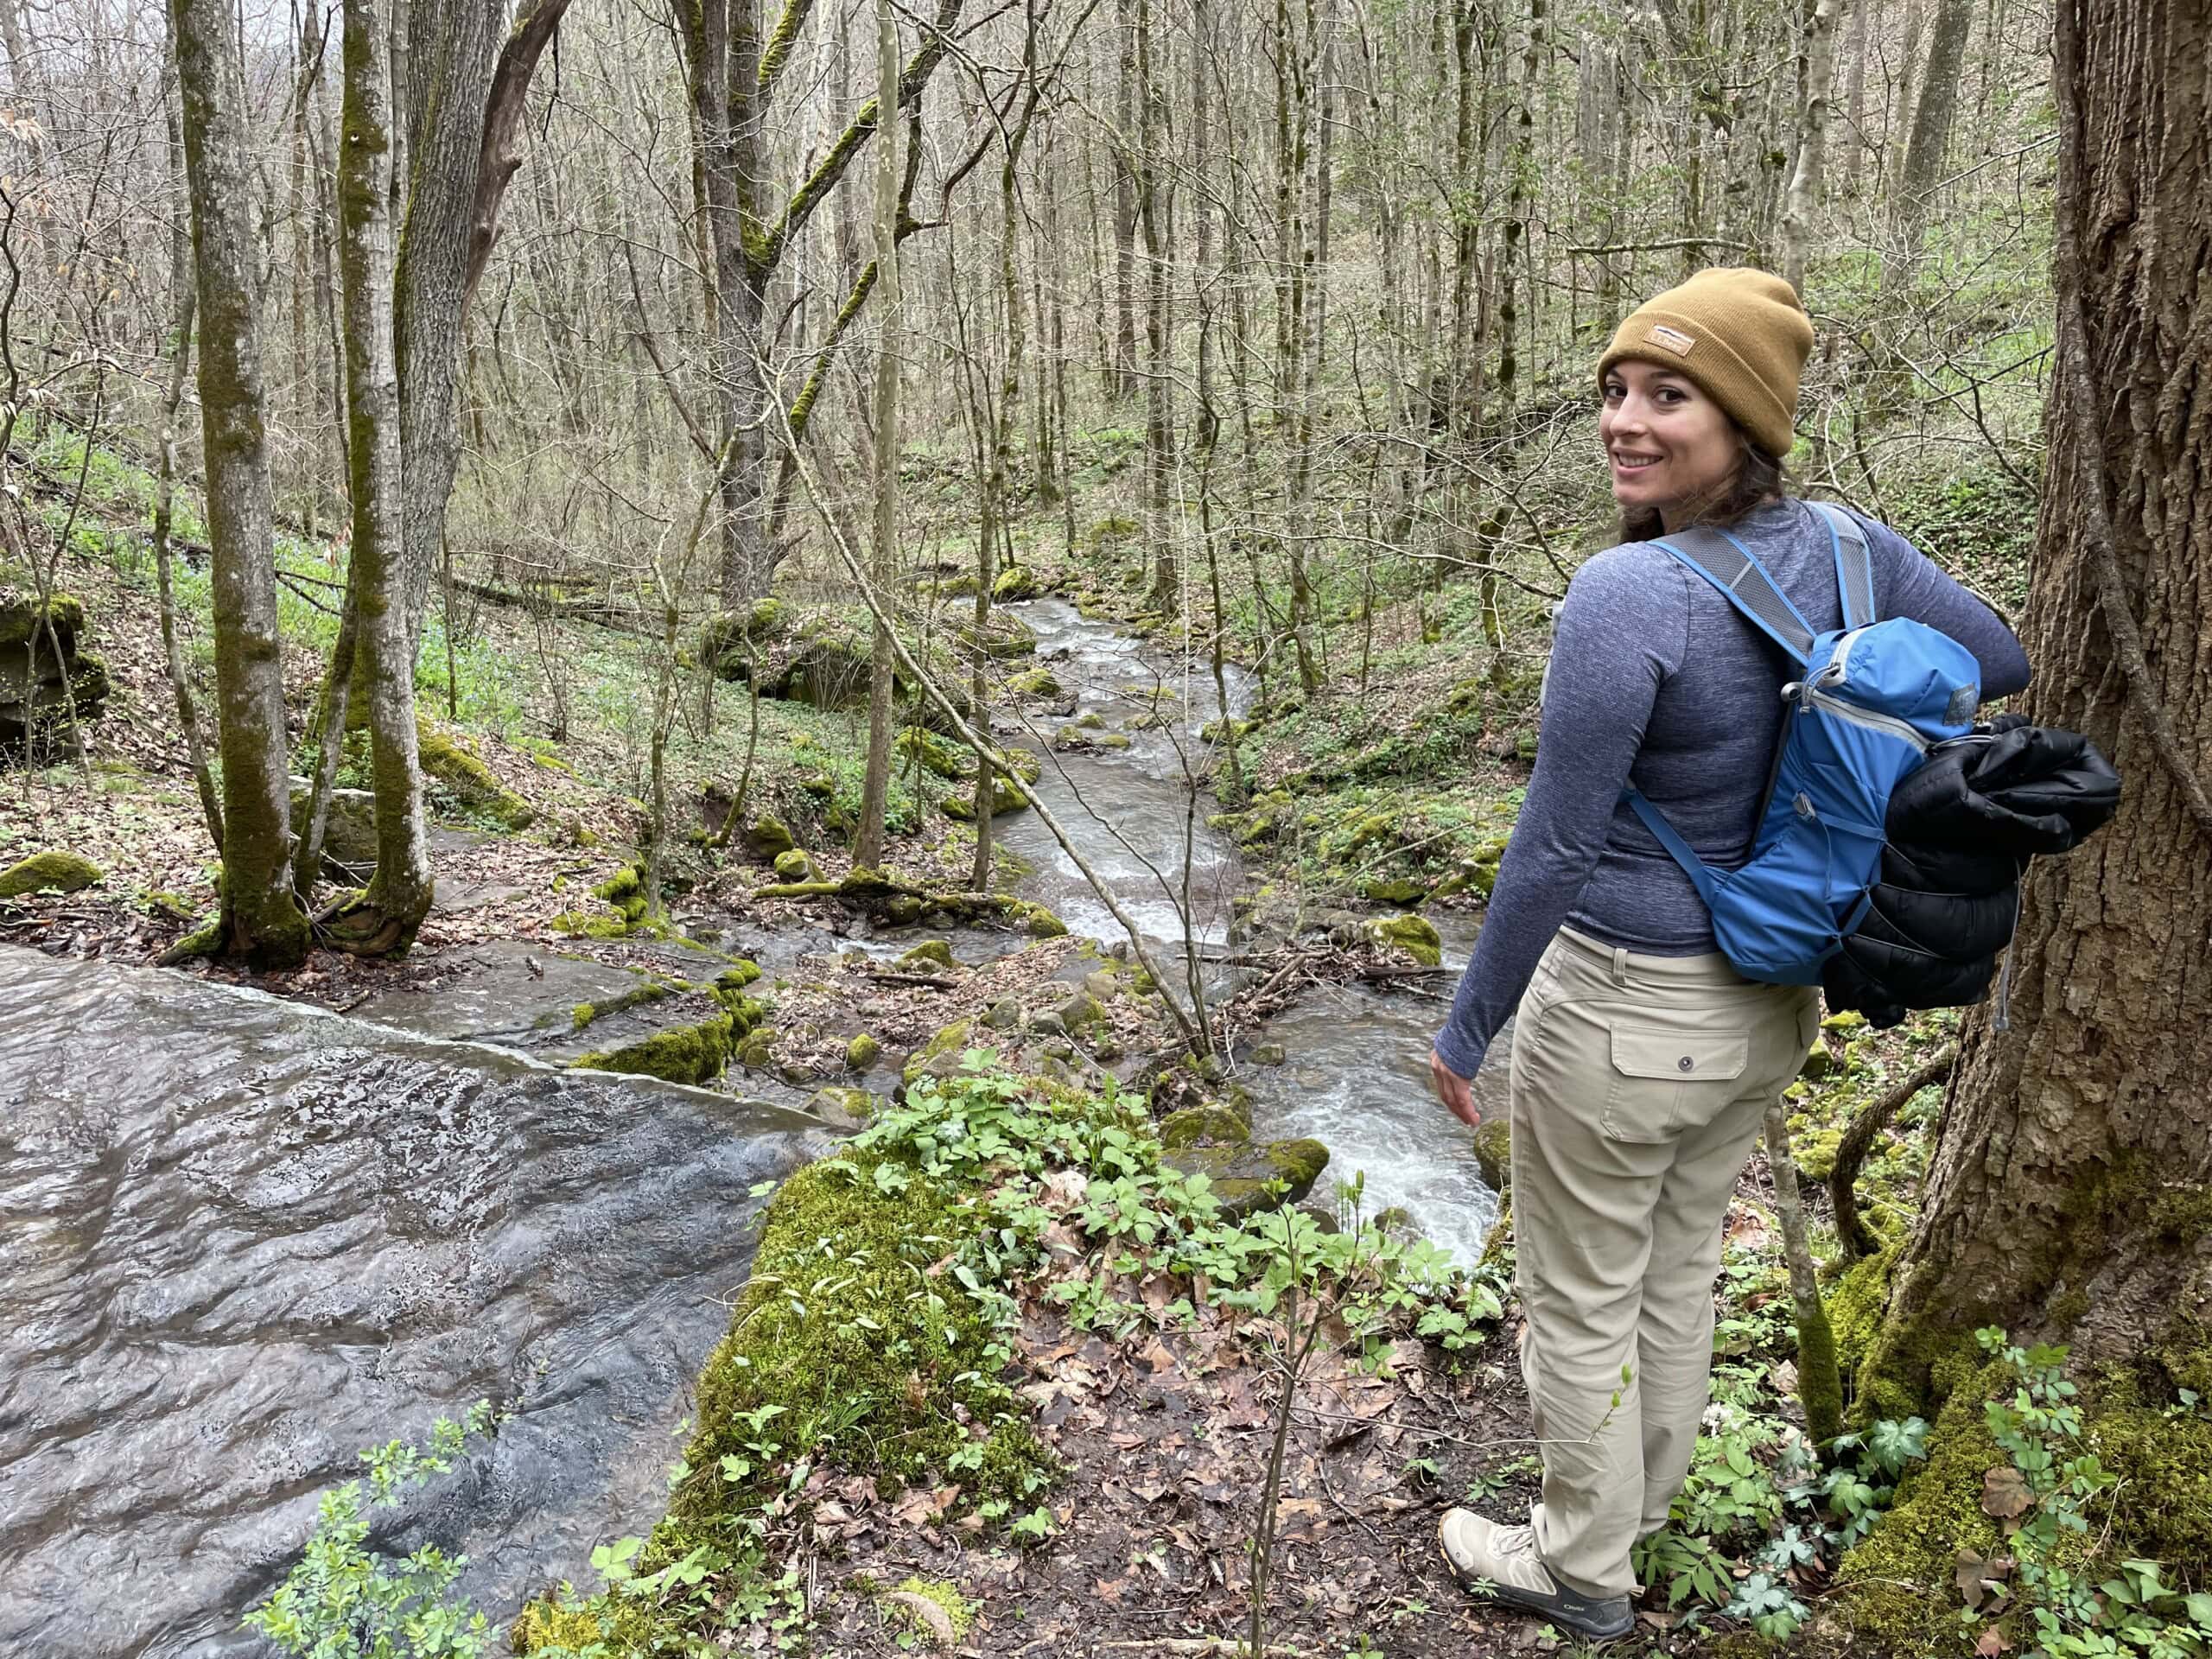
[(1869, 702)]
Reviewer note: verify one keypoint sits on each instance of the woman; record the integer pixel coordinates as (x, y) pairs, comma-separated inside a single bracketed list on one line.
[(1643, 1063)]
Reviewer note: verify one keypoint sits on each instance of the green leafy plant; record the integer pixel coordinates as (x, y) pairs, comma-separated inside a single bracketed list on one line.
[(344, 1601), (2058, 1596)]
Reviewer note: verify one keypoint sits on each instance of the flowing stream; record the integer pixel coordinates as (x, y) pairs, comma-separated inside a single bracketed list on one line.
[(1355, 1075), (241, 1238)]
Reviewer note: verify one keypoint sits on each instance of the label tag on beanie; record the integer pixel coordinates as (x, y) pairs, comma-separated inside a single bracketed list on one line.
[(1673, 340)]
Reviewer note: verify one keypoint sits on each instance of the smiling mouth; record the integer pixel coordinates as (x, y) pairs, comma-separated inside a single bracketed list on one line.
[(1634, 463)]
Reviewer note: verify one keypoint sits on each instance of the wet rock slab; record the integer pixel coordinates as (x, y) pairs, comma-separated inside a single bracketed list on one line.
[(240, 1240)]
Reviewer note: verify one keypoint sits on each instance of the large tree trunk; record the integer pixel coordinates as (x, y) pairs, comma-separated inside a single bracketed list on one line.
[(2067, 1194), (398, 898), (261, 920)]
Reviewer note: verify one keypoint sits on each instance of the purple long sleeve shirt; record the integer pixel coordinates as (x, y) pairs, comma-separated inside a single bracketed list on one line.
[(1656, 680)]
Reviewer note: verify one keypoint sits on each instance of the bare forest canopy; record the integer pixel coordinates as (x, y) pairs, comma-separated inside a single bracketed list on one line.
[(1343, 267)]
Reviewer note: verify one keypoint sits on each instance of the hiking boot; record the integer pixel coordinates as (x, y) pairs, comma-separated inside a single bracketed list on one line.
[(1505, 1559)]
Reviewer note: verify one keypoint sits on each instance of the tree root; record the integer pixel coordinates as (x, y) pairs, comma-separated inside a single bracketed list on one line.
[(1857, 1240)]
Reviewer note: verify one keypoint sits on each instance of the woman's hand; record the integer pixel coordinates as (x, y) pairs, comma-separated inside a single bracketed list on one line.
[(1454, 1090)]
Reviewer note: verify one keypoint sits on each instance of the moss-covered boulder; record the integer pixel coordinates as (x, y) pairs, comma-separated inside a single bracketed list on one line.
[(61, 872), (349, 828), (1408, 933), (1256, 1175), (930, 956), (471, 787), (1035, 685), (1079, 1013), (1266, 817), (826, 667), (694, 1054), (1037, 921), (766, 838), (1006, 795), (1013, 583), (842, 1106), (920, 746), (796, 866), (950, 1043), (1197, 1126), (45, 678), (862, 1052), (732, 641)]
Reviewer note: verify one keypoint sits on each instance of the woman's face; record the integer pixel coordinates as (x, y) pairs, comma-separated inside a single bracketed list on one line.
[(1667, 441)]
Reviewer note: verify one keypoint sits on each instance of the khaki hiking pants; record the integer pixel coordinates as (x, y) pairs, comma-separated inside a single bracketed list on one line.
[(1639, 1085)]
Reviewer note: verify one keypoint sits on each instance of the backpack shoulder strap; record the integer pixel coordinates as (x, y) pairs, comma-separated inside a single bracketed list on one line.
[(1854, 569), (1734, 570), (1671, 839)]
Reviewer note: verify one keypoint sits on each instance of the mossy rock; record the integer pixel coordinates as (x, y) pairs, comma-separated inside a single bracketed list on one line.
[(1818, 1062), (1035, 685), (1268, 1054), (473, 785), (1005, 637), (24, 620), (1006, 795), (1110, 529), (928, 956), (694, 1054), (1079, 1013), (1257, 1175), (729, 641), (1015, 583), (1037, 921), (1411, 934), (1494, 1153), (63, 872), (796, 866), (931, 752), (766, 838), (950, 1041), (349, 828), (757, 1052), (739, 975), (842, 1107), (862, 1052), (919, 1367), (1197, 1125), (1394, 890), (584, 1013)]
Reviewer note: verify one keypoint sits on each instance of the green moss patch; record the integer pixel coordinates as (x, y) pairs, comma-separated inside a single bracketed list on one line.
[(61, 872), (473, 787)]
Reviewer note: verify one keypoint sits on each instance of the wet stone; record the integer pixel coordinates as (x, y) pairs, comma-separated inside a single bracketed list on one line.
[(247, 1239)]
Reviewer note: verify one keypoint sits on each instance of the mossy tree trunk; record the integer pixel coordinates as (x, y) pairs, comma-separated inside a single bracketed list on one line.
[(398, 898), (2070, 1188), (262, 921), (875, 787)]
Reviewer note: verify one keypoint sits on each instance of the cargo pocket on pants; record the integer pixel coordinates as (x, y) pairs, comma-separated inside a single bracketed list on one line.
[(1665, 1081)]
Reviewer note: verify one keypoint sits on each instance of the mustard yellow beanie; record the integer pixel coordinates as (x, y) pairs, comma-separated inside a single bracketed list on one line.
[(1741, 335)]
